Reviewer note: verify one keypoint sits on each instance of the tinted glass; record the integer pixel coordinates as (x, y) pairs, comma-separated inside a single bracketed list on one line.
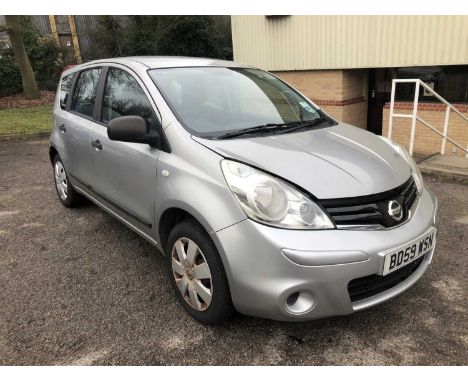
[(84, 96), (210, 101), (451, 82), (123, 96), (65, 87)]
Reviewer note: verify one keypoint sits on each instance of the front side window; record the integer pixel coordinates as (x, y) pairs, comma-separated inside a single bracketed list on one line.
[(124, 96), (65, 87), (211, 101), (84, 96)]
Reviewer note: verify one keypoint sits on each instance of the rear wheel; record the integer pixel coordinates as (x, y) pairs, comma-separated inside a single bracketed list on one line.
[(67, 194), (197, 273)]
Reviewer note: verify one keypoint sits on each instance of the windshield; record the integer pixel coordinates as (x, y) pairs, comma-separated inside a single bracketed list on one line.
[(212, 101)]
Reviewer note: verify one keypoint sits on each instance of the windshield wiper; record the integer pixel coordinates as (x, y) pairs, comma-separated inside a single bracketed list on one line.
[(299, 126), (273, 128), (255, 129)]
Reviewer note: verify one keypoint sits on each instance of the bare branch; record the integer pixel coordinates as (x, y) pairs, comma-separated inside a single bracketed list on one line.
[(172, 23)]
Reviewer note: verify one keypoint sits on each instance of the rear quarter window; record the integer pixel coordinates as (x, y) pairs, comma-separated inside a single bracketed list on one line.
[(65, 87)]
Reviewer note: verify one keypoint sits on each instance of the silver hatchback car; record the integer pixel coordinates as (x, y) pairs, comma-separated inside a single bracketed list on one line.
[(260, 201)]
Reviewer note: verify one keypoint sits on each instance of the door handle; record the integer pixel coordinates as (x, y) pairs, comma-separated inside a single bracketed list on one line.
[(62, 128), (96, 144)]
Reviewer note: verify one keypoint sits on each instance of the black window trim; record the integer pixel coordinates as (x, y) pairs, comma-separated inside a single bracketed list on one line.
[(132, 73), (99, 95), (72, 90), (164, 146), (72, 93), (97, 111), (101, 98), (164, 143)]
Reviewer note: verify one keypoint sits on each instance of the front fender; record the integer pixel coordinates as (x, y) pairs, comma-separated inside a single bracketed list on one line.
[(190, 178)]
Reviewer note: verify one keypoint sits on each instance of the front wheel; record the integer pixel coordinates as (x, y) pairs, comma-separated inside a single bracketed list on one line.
[(197, 273)]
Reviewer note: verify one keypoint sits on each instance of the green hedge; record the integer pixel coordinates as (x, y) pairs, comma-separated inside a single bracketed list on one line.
[(10, 77)]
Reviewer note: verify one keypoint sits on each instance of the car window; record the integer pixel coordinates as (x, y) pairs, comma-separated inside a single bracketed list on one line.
[(211, 101), (124, 96), (84, 96), (65, 87)]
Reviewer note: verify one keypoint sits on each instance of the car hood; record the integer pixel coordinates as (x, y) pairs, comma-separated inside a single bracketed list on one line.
[(333, 162)]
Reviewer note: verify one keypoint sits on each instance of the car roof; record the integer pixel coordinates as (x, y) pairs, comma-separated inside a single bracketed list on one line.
[(154, 62)]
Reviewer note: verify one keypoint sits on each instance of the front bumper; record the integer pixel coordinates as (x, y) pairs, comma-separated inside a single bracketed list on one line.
[(266, 266)]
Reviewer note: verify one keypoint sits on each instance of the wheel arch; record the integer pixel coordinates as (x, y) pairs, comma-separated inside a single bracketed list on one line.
[(175, 215), (52, 153), (169, 219)]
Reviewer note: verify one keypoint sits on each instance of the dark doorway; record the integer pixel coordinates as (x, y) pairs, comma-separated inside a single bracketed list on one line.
[(380, 82)]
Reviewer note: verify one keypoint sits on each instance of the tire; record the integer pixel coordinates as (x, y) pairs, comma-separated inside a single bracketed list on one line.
[(65, 191), (184, 236)]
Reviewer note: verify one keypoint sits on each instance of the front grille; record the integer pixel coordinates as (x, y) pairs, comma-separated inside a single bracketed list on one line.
[(372, 209), (368, 286)]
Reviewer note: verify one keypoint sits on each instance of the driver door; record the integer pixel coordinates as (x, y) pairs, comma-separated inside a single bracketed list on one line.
[(124, 174)]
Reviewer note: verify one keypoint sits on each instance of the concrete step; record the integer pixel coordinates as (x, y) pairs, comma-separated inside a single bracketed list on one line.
[(445, 165)]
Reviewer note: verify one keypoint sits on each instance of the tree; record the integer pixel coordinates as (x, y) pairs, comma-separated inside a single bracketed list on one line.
[(15, 33), (112, 35), (200, 36), (148, 34)]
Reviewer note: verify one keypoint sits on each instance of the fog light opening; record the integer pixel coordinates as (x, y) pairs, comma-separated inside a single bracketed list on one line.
[(292, 298), (300, 302)]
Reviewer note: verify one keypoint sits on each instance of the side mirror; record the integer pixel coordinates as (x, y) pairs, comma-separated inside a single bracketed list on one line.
[(132, 128)]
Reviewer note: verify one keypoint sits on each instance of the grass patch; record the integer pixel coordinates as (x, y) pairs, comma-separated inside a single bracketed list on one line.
[(37, 119)]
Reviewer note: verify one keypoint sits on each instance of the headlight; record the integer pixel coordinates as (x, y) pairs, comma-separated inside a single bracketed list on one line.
[(409, 159), (269, 200)]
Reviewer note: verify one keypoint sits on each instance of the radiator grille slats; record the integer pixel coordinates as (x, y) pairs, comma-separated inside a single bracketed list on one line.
[(372, 209)]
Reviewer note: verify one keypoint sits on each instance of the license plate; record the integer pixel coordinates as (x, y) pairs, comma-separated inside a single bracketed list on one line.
[(402, 256)]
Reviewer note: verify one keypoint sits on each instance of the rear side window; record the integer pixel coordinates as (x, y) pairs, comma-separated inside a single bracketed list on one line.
[(84, 96), (65, 87), (124, 96)]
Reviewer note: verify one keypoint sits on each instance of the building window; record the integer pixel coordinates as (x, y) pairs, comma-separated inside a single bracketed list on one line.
[(451, 82)]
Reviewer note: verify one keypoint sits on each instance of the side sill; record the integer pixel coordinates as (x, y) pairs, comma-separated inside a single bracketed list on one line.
[(112, 203), (117, 216)]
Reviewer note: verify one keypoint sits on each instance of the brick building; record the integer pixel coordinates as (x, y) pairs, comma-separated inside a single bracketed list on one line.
[(346, 65)]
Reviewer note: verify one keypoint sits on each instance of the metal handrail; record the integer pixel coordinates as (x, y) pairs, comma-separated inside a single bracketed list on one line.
[(414, 117)]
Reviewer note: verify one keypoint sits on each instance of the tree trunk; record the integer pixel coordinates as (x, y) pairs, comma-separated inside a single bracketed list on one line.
[(15, 34)]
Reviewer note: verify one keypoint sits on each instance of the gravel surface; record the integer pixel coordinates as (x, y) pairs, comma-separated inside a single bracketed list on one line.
[(77, 287)]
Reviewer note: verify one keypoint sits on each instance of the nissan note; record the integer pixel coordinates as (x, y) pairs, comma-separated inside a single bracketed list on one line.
[(261, 202)]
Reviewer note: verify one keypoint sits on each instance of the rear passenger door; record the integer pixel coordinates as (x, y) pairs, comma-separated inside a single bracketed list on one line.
[(124, 174), (62, 120), (76, 126)]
